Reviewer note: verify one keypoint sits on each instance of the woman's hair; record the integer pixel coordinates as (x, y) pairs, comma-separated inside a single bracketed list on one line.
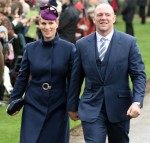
[(16, 5)]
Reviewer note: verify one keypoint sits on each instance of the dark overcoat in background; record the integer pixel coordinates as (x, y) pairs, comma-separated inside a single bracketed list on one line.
[(44, 118), (68, 21), (142, 6), (128, 9), (142, 2)]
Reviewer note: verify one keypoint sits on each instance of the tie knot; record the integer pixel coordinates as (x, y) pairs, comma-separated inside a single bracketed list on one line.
[(103, 39)]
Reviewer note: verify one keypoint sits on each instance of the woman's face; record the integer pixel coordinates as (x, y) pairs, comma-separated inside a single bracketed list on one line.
[(48, 28), (16, 13)]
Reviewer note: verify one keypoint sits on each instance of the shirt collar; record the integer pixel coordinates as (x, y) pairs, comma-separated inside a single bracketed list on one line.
[(108, 37)]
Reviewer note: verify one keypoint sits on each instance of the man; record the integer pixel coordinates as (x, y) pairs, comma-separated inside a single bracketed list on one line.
[(1, 63), (107, 103)]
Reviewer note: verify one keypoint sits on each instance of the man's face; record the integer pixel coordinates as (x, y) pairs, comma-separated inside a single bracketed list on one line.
[(48, 28), (104, 19)]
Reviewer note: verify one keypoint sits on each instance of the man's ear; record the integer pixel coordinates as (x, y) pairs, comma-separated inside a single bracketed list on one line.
[(114, 19)]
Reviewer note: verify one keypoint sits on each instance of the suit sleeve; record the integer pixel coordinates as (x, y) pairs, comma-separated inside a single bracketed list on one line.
[(137, 73), (76, 81)]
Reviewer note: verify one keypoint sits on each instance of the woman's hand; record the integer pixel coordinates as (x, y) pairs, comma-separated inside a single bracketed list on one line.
[(74, 115), (13, 113)]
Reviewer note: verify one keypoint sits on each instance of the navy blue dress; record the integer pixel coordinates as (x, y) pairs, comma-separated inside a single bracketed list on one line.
[(45, 119)]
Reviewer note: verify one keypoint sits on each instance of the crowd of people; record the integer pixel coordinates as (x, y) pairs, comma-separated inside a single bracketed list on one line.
[(76, 41)]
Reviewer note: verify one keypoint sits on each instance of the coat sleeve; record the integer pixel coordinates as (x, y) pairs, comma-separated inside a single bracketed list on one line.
[(22, 79), (71, 62), (76, 81)]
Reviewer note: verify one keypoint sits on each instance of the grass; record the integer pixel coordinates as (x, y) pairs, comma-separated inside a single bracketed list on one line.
[(10, 126)]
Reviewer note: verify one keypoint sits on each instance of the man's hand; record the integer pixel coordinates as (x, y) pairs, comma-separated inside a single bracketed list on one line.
[(74, 115), (134, 110)]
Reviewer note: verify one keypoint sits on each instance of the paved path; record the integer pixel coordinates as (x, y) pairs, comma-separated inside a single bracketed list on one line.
[(140, 127)]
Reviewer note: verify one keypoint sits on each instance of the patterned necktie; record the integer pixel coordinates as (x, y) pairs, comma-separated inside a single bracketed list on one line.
[(102, 49)]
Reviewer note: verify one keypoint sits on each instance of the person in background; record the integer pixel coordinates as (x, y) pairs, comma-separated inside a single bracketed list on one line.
[(89, 22), (106, 60), (1, 63), (32, 3), (101, 1), (8, 56), (1, 75), (25, 7), (42, 2), (81, 25), (53, 2), (85, 24), (5, 7), (43, 79), (68, 21), (6, 44), (148, 8), (128, 10), (142, 7), (114, 5)]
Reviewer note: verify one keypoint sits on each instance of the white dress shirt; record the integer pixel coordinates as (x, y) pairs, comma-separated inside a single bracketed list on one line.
[(108, 38)]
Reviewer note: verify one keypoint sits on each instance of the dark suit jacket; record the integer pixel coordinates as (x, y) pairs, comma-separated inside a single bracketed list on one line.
[(124, 60)]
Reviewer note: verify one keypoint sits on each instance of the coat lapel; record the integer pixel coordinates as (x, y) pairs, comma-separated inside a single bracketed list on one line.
[(91, 52), (115, 46)]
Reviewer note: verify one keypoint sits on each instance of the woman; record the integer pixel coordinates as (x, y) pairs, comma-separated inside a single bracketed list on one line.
[(48, 63)]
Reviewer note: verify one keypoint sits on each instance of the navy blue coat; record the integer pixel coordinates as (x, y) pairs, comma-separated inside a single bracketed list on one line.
[(44, 118), (124, 60)]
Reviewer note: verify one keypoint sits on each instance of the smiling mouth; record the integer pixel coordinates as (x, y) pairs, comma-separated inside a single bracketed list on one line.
[(47, 32), (103, 22)]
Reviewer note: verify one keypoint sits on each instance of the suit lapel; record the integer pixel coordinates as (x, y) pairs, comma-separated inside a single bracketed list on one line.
[(92, 55), (114, 52)]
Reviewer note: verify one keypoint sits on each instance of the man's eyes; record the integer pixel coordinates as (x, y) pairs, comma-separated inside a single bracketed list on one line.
[(106, 14)]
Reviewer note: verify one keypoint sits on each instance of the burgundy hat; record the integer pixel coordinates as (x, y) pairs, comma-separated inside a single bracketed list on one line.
[(48, 12)]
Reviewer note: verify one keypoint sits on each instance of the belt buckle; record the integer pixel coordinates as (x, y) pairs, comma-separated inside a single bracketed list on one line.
[(46, 86)]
